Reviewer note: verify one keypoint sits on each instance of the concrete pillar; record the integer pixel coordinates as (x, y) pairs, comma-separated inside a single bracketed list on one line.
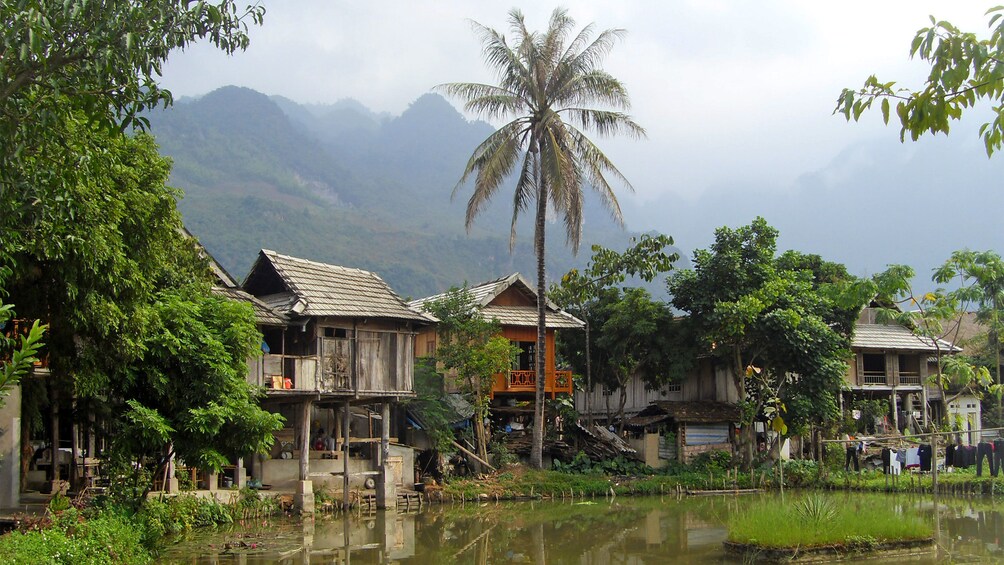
[(213, 481), (346, 426), (240, 474), (386, 491), (893, 397), (171, 484), (10, 449), (304, 499)]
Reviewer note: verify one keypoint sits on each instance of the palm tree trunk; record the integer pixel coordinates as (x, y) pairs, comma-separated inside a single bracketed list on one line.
[(537, 448), (589, 373)]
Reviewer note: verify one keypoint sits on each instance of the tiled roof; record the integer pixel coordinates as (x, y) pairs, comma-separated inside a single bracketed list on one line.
[(331, 290), (527, 317), (894, 337), (484, 293), (263, 314)]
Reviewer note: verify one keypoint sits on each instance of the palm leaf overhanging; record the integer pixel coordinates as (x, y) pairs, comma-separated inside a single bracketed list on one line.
[(547, 83)]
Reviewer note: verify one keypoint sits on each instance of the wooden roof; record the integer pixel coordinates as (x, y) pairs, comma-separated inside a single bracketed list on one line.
[(263, 314), (509, 315), (696, 411), (302, 287), (894, 337)]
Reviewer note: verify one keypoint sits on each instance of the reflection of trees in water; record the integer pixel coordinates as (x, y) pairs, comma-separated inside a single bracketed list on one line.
[(972, 531), (547, 531)]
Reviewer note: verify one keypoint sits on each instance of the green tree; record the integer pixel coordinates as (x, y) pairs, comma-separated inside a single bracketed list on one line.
[(472, 349), (547, 81), (975, 282), (772, 323), (188, 394), (17, 352), (635, 339), (645, 259), (965, 70)]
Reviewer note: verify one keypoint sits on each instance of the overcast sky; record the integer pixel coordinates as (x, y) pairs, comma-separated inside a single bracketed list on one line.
[(732, 93)]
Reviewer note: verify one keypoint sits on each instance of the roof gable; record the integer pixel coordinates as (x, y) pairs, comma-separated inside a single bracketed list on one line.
[(309, 288), (511, 300)]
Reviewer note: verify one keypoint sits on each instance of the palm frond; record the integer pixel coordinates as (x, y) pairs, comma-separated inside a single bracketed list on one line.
[(596, 166), (604, 122), (595, 87), (526, 191), (492, 161)]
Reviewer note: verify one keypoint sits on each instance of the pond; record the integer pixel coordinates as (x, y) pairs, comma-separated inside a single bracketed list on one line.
[(622, 530)]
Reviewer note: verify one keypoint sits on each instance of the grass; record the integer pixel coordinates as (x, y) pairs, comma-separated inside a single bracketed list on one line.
[(815, 520)]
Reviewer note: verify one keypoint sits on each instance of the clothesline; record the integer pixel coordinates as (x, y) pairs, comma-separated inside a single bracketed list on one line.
[(900, 437)]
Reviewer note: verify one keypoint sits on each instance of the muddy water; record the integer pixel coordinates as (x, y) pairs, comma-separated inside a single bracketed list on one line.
[(625, 530)]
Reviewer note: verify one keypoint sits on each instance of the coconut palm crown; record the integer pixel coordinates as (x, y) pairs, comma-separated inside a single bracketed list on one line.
[(547, 83)]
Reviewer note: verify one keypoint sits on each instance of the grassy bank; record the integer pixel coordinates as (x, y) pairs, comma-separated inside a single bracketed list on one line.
[(812, 520), (109, 533)]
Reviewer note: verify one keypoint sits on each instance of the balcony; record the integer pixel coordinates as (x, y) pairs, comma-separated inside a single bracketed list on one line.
[(875, 378), (286, 372), (526, 382)]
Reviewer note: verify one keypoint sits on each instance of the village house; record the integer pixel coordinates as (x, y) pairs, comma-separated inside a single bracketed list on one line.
[(334, 370), (512, 300), (892, 363)]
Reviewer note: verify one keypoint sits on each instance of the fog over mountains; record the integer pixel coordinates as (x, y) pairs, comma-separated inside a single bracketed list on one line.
[(875, 204), (342, 184)]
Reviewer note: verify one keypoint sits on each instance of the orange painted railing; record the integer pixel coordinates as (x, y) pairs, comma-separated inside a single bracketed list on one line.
[(526, 381)]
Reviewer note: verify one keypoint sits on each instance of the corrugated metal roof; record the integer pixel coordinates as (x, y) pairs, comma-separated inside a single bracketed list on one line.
[(332, 290), (526, 316), (263, 314), (894, 337)]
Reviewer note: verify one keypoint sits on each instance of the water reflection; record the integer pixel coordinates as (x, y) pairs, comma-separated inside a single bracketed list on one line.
[(625, 530)]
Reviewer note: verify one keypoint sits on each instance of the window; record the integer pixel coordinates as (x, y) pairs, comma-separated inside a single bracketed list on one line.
[(873, 367), (909, 369), (526, 360), (430, 347), (675, 387)]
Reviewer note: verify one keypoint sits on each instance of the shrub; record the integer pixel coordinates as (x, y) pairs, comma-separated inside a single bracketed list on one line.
[(105, 540)]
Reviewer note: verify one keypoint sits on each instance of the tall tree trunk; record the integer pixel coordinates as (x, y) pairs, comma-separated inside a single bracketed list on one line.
[(537, 448), (620, 408), (589, 372)]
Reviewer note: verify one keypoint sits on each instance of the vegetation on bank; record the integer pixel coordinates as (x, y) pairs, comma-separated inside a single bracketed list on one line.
[(108, 532), (813, 521)]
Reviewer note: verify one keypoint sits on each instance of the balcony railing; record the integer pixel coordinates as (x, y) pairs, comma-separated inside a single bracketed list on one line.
[(875, 378), (526, 381), (910, 378)]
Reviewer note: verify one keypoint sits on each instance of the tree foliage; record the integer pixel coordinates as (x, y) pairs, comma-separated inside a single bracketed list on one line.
[(547, 83), (18, 352), (973, 281), (636, 337), (472, 350), (780, 325), (189, 389), (77, 64), (579, 291), (965, 70)]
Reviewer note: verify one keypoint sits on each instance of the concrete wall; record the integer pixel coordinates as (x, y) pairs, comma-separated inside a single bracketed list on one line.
[(10, 449), (284, 474)]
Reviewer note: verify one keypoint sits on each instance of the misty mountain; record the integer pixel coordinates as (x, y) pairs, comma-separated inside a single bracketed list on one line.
[(875, 204), (341, 184)]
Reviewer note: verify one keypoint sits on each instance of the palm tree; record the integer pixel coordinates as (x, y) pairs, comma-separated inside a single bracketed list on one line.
[(546, 85)]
